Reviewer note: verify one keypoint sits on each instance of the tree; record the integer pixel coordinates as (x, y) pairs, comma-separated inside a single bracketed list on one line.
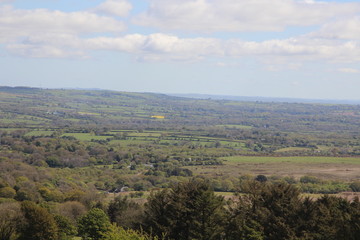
[(94, 224), (66, 229), (190, 210), (282, 202), (40, 224), (156, 213), (336, 218), (124, 212), (10, 219), (267, 211), (242, 223), (245, 214), (73, 210), (355, 218)]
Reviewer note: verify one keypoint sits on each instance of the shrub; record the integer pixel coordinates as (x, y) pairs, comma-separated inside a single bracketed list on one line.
[(7, 192), (355, 186)]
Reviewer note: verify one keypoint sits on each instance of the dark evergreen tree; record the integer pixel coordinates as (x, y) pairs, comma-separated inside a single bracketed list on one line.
[(189, 210), (156, 213), (335, 219), (266, 211), (355, 218), (242, 223), (282, 204)]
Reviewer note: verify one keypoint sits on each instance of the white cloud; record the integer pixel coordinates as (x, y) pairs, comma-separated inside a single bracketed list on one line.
[(345, 28), (290, 52), (44, 51), (15, 23), (49, 45), (48, 33), (119, 8), (158, 47), (244, 15), (162, 47), (348, 70)]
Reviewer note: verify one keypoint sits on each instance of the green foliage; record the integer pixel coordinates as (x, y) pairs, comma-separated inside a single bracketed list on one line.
[(261, 178), (355, 186), (10, 220), (66, 229), (189, 210), (334, 219), (40, 224), (119, 233), (94, 225), (51, 195), (309, 179), (72, 210), (282, 203), (124, 212), (276, 211), (325, 187), (7, 192)]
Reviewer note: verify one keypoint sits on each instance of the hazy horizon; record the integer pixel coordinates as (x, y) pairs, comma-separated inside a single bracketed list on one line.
[(220, 97)]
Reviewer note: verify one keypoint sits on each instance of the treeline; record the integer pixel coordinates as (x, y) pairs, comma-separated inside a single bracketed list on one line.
[(191, 210)]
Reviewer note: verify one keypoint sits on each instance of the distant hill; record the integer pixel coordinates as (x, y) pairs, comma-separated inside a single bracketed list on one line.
[(35, 107), (29, 90), (265, 99)]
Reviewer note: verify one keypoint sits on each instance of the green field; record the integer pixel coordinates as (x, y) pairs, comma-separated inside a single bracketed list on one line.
[(39, 133), (86, 136)]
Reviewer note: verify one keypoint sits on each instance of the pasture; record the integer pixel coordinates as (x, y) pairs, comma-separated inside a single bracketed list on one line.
[(332, 168), (85, 136), (39, 133)]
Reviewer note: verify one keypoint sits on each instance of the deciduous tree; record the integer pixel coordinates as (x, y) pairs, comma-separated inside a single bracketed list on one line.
[(94, 225), (40, 224)]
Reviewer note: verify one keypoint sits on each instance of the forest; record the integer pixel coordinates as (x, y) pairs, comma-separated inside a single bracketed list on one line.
[(96, 164)]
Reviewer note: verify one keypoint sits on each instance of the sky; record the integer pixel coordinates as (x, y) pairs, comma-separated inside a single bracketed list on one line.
[(279, 48)]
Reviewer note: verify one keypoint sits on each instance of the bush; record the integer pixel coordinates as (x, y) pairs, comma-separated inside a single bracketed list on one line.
[(7, 192), (118, 233), (261, 178), (355, 186), (309, 179)]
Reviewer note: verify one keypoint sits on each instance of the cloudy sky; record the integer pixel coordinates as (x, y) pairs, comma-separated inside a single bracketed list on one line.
[(277, 48)]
